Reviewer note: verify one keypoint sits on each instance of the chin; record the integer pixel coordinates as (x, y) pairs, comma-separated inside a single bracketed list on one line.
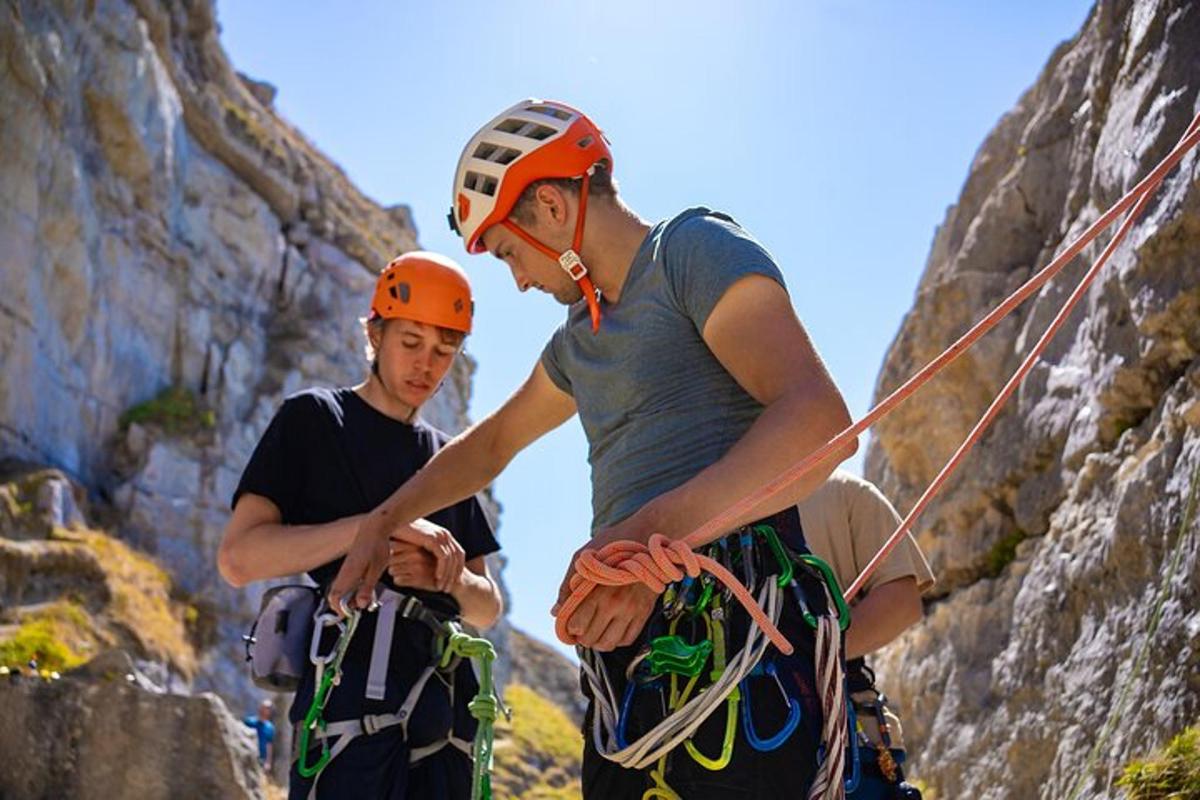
[(414, 400), (569, 298)]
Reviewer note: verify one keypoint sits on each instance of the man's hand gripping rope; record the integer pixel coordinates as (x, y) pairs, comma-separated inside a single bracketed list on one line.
[(655, 564)]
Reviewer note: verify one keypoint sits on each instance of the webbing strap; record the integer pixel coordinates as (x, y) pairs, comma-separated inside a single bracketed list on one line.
[(381, 647)]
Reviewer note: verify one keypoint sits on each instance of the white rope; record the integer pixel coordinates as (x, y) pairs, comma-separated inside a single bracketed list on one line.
[(828, 783), (680, 725)]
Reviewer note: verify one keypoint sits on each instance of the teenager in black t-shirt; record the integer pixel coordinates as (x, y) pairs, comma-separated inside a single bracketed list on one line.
[(328, 457)]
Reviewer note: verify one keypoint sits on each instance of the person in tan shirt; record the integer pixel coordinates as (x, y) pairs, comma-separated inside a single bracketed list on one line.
[(846, 521)]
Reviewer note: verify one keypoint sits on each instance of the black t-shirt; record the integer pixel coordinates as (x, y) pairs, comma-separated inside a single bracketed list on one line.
[(327, 455)]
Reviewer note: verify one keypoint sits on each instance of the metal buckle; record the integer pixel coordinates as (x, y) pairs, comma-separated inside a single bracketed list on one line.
[(572, 264)]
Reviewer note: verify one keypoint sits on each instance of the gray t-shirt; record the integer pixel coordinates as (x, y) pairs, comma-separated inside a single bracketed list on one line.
[(655, 403)]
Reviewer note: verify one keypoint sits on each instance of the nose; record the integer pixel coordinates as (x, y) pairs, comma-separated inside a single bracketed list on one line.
[(523, 283), (424, 360)]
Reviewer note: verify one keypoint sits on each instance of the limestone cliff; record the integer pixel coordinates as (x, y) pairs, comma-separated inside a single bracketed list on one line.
[(1055, 540), (177, 259)]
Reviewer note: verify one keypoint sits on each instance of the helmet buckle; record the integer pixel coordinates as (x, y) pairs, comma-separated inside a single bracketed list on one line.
[(572, 264)]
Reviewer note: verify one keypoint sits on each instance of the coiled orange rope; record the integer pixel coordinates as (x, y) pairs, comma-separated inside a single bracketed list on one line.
[(654, 564)]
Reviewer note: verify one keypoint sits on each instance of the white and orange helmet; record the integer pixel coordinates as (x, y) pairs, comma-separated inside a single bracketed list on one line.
[(531, 141)]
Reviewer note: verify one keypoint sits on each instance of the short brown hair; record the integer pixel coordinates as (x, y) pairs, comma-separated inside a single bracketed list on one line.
[(601, 184)]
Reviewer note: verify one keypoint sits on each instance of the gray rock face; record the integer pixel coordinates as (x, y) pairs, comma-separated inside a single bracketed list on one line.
[(1022, 659), (93, 737), (162, 227)]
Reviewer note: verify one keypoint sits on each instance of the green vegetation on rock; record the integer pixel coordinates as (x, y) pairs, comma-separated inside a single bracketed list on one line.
[(60, 636), (176, 410), (1172, 773), (538, 754), (1003, 553)]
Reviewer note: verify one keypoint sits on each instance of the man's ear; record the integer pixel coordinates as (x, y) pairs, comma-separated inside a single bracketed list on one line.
[(552, 203)]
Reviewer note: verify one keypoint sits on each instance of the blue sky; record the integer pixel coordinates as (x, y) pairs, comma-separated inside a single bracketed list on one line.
[(836, 132)]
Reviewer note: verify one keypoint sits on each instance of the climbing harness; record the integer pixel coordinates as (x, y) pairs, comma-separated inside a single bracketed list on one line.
[(673, 660), (450, 646)]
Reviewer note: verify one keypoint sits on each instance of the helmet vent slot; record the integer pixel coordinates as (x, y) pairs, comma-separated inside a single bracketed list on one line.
[(528, 130), (496, 153), (550, 111), (478, 182)]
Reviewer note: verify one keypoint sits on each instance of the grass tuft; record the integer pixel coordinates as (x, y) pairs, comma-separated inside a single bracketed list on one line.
[(1172, 773)]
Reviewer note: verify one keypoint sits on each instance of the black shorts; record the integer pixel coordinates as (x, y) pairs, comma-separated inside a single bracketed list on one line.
[(785, 772)]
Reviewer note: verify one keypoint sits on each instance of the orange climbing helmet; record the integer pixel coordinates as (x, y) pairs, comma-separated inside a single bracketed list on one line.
[(531, 141), (424, 287)]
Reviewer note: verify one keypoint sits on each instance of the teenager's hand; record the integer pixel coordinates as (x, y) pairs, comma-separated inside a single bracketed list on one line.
[(449, 556), (412, 566)]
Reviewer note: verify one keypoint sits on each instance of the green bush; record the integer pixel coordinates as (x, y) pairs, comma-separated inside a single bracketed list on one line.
[(176, 410), (1172, 773), (1003, 553), (51, 636)]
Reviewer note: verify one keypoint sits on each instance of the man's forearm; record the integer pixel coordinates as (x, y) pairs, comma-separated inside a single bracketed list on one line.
[(882, 615), (786, 430)]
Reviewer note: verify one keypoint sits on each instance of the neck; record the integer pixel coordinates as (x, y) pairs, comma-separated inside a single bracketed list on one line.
[(613, 235), (376, 395)]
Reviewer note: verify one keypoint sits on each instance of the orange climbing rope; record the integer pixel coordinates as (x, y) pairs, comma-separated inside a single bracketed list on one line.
[(657, 563)]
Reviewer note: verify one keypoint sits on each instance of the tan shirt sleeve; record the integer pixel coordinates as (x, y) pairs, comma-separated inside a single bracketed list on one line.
[(873, 520)]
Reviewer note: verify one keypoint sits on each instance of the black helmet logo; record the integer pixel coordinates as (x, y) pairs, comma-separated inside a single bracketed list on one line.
[(404, 292)]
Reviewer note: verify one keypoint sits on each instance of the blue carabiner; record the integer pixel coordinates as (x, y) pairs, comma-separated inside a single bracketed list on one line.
[(747, 542), (855, 763), (789, 727), (627, 705)]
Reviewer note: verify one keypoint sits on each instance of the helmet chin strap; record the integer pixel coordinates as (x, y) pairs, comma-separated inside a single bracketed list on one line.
[(569, 260)]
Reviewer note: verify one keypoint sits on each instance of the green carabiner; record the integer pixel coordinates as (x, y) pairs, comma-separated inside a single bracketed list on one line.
[(785, 563), (706, 595), (312, 720), (717, 635), (835, 591), (314, 717)]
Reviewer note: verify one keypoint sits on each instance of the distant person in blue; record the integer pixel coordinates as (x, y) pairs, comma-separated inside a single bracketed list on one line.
[(265, 729)]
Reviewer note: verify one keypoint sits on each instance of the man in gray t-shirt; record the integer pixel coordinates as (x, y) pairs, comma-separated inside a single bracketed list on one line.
[(692, 376)]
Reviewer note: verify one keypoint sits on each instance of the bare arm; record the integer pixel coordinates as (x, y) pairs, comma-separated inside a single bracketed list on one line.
[(757, 337), (883, 614), (465, 465), (256, 545), (477, 594)]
